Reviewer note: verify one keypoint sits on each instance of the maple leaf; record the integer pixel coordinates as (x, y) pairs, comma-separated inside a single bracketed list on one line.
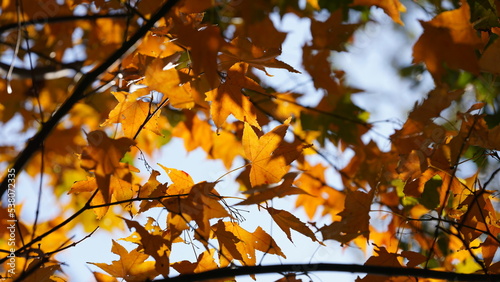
[(201, 204), (383, 258), (131, 266), (264, 193), (45, 273), (204, 262), (264, 34), (269, 158), (480, 213), (228, 99), (286, 220), (170, 83), (117, 189), (357, 209), (151, 189), (182, 182), (132, 113), (449, 39), (203, 44), (242, 50), (319, 195), (237, 243), (103, 154), (154, 245)]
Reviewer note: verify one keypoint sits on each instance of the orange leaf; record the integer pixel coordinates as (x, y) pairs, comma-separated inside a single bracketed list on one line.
[(449, 39), (132, 112), (154, 245), (269, 157), (383, 258), (241, 245), (357, 209), (116, 189), (203, 45), (286, 220), (103, 154), (262, 194), (243, 50), (228, 99), (205, 262), (169, 83), (131, 266), (414, 258), (182, 181)]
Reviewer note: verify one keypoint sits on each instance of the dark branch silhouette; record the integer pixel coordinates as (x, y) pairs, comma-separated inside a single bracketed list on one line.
[(353, 268)]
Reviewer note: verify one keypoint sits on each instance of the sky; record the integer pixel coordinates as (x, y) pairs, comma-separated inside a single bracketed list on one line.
[(369, 66)]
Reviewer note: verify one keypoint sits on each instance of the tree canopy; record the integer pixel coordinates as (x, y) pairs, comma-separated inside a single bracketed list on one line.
[(94, 89)]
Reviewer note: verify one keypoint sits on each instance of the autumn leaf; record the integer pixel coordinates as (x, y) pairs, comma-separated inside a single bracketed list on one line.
[(103, 154), (131, 266), (357, 209), (237, 243), (269, 161), (154, 245), (228, 99), (242, 50), (202, 71), (489, 61), (117, 190), (264, 193), (204, 262), (151, 189), (448, 40), (132, 113), (199, 202), (383, 258), (46, 273), (181, 180), (203, 44), (171, 83), (286, 220)]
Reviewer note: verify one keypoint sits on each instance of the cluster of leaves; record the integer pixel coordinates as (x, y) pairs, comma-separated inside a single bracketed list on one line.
[(143, 72)]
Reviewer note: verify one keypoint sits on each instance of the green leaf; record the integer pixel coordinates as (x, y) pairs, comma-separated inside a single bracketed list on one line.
[(483, 14), (430, 196)]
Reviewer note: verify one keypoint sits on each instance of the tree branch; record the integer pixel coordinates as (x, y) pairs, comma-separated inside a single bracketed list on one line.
[(33, 144), (353, 268), (59, 19)]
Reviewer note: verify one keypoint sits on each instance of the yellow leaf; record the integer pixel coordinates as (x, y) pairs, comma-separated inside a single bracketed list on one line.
[(237, 243), (269, 157), (182, 181), (132, 113), (117, 190), (169, 83), (131, 266)]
